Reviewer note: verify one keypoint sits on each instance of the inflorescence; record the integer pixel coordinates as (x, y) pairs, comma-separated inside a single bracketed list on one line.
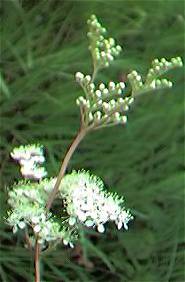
[(152, 82), (88, 203), (30, 159), (28, 201), (103, 105), (103, 50), (82, 199)]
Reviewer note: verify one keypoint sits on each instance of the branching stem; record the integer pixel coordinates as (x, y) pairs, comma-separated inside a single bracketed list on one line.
[(95, 70)]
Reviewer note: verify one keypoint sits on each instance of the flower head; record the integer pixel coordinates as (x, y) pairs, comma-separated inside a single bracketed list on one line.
[(27, 201), (87, 202), (30, 158)]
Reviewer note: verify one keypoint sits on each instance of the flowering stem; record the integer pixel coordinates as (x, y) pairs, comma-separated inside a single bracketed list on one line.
[(36, 260), (81, 134)]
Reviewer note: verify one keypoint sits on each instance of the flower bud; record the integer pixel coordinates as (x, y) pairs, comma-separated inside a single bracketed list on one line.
[(102, 86), (87, 78), (98, 93), (97, 115), (123, 119), (105, 91), (117, 116), (79, 76), (112, 103), (106, 106), (122, 85), (90, 117), (111, 85)]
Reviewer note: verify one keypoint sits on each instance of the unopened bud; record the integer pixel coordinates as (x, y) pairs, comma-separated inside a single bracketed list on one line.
[(79, 76)]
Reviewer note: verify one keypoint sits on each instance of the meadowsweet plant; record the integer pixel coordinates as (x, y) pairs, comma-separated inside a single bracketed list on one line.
[(81, 197)]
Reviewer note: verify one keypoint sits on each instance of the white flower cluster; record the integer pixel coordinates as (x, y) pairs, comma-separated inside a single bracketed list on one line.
[(30, 158), (87, 202), (102, 106), (27, 201), (103, 50), (159, 67)]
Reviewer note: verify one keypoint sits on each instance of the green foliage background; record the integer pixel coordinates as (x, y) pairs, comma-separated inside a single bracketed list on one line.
[(43, 44)]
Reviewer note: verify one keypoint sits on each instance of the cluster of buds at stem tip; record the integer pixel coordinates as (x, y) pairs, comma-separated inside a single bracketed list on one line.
[(30, 158), (103, 105), (152, 81), (103, 50)]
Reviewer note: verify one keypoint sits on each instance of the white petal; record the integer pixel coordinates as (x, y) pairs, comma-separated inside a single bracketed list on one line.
[(43, 217), (82, 216), (37, 228), (89, 223), (14, 229), (72, 221), (125, 226), (65, 242), (35, 219), (71, 245), (122, 85), (119, 225), (101, 228), (21, 224)]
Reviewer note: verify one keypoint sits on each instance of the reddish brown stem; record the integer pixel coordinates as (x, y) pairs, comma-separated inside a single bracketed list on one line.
[(82, 132), (28, 242), (37, 260)]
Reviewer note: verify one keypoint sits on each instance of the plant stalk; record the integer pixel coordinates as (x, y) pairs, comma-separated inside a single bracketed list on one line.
[(82, 132), (37, 260)]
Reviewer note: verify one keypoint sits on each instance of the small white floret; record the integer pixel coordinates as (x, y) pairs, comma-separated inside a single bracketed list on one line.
[(14, 229), (71, 245), (82, 216), (124, 119), (111, 85), (89, 223), (122, 85), (152, 85), (101, 228), (90, 117), (87, 78), (37, 228), (125, 226), (21, 224), (72, 221), (105, 91), (35, 219), (98, 93), (119, 225), (131, 100), (102, 86), (65, 242)]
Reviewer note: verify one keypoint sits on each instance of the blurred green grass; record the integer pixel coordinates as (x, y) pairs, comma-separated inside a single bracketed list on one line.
[(43, 44)]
